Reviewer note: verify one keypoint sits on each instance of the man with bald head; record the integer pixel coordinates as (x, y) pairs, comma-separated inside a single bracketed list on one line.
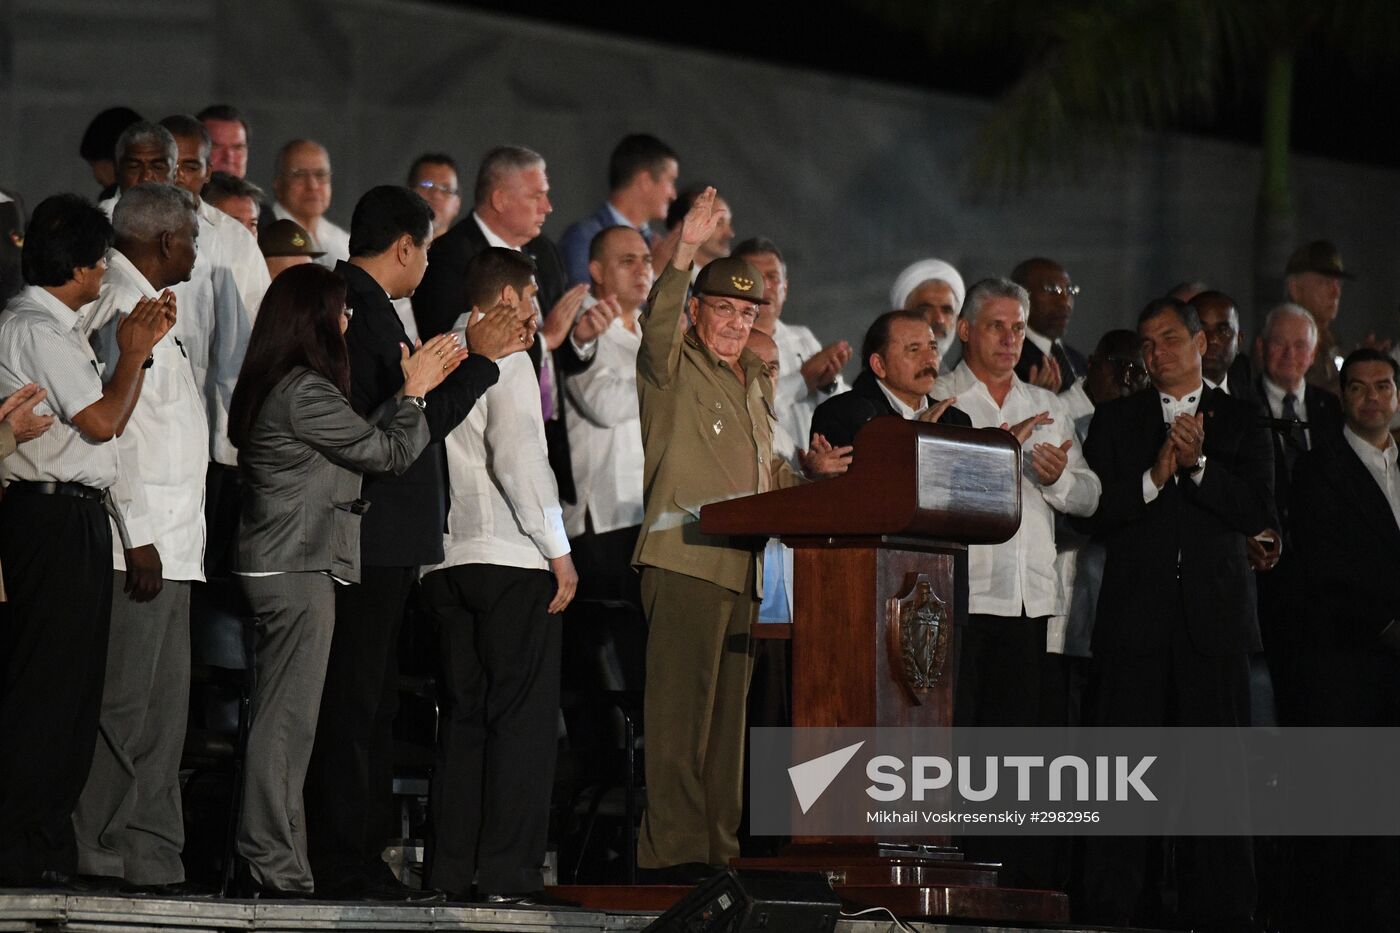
[(128, 821), (302, 186), (1046, 360), (605, 432), (809, 372)]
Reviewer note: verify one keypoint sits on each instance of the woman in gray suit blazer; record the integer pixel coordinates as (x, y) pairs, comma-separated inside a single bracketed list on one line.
[(302, 451)]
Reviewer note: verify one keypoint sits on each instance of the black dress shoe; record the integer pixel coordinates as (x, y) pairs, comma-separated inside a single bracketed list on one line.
[(96, 884), (174, 889), (395, 891)]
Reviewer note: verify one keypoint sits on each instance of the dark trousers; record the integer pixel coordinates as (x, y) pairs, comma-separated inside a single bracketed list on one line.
[(1177, 687), (495, 761), (56, 552), (223, 498), (349, 787), (1003, 679), (604, 564)]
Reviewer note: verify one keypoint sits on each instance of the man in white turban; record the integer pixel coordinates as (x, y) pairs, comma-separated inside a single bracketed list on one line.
[(935, 289)]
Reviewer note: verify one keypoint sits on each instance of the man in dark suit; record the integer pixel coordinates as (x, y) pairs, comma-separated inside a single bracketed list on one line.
[(349, 796), (1046, 360), (1303, 416), (897, 367), (1346, 533), (1223, 364), (511, 204), (899, 363), (1187, 476), (1346, 528)]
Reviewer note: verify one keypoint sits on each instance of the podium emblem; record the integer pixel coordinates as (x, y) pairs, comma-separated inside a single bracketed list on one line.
[(918, 636)]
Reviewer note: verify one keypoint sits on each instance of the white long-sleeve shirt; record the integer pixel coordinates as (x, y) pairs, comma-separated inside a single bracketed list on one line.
[(1004, 579), (505, 502), (215, 311), (605, 436), (792, 400), (164, 450)]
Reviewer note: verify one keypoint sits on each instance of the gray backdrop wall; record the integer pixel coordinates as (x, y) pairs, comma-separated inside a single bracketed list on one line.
[(852, 178)]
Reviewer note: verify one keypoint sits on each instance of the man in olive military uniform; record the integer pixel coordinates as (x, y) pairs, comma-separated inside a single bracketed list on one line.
[(707, 423)]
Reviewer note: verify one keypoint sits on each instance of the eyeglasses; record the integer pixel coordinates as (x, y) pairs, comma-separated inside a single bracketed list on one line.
[(304, 175), (440, 188), (726, 310), (1059, 291)]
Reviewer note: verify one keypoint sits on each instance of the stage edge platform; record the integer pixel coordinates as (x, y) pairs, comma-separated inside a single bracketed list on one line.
[(81, 913)]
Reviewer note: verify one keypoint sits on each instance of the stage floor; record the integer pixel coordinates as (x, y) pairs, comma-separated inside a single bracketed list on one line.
[(45, 911)]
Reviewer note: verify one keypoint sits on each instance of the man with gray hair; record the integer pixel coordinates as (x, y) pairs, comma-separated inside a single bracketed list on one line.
[(1303, 416), (128, 822), (302, 186), (511, 203), (1012, 587)]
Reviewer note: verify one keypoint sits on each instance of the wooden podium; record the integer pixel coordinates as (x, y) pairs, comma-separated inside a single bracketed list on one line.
[(875, 589)]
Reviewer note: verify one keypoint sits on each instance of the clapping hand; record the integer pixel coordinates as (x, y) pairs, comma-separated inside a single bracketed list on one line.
[(596, 319), (503, 330), (1049, 461), (560, 319), (18, 412), (431, 363), (931, 415), (822, 369), (1188, 435), (822, 461), (148, 322), (1046, 375), (1022, 430)]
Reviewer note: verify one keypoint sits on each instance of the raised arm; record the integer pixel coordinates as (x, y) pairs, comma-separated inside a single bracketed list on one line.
[(661, 323)]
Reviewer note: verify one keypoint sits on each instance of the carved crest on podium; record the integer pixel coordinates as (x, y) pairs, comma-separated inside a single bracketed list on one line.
[(918, 632)]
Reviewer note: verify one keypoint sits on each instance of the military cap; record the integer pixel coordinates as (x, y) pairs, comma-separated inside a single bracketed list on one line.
[(731, 277), (1319, 256), (286, 238)]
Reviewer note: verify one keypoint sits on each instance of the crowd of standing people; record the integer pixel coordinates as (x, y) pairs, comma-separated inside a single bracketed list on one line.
[(442, 407)]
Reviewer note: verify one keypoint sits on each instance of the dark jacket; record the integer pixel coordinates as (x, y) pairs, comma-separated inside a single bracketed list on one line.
[(1348, 547), (841, 416), (404, 525), (1031, 356), (439, 301), (1190, 539)]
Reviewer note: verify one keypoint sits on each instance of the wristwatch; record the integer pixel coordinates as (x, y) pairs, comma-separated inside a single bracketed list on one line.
[(1200, 465), (418, 400)]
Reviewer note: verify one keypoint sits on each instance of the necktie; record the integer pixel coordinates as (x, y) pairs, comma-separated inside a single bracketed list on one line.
[(1067, 373), (645, 231), (1295, 440), (546, 365)]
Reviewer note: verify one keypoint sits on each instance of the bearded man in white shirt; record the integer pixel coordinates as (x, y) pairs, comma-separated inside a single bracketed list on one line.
[(128, 821), (496, 597), (605, 429)]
